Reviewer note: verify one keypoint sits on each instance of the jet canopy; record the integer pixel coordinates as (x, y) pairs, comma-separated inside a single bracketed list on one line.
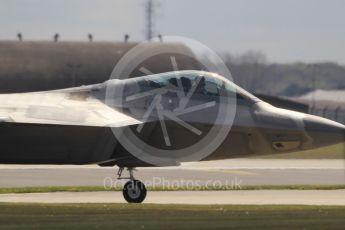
[(211, 84), (175, 89)]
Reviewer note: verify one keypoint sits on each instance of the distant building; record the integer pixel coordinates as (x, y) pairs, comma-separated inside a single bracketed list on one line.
[(325, 103), (324, 95)]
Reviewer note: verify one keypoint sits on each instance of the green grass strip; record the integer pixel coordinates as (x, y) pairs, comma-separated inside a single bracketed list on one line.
[(150, 216)]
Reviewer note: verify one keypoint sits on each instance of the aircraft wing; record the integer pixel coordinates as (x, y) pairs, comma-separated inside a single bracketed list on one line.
[(61, 108)]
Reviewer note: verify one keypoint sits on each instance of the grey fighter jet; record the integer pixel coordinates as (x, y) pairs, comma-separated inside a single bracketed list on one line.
[(154, 120)]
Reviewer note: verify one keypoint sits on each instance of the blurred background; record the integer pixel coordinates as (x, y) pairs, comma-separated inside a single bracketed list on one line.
[(289, 53)]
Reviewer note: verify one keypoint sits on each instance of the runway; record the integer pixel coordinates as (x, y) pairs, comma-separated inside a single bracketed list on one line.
[(258, 197), (240, 171), (236, 172)]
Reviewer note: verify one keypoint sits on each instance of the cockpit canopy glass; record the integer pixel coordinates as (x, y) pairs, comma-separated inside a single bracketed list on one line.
[(199, 82)]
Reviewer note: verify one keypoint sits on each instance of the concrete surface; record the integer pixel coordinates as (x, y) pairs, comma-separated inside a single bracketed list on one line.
[(258, 197), (243, 171)]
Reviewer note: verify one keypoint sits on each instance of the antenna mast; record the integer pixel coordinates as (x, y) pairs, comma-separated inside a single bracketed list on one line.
[(150, 11)]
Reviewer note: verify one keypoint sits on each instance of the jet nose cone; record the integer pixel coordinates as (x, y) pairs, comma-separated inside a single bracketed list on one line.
[(324, 132)]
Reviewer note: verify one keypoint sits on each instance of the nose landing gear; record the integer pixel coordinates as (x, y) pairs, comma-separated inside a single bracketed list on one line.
[(134, 191)]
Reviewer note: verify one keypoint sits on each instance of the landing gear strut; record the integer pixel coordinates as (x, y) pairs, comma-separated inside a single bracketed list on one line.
[(134, 191)]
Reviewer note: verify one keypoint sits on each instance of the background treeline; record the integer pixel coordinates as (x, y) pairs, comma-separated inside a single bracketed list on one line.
[(252, 71)]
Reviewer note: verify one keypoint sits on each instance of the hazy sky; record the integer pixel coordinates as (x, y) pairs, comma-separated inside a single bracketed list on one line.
[(285, 30)]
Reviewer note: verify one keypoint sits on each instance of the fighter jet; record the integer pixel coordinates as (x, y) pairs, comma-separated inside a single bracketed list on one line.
[(155, 120)]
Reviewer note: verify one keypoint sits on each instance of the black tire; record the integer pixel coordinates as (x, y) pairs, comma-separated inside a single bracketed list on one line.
[(134, 191)]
